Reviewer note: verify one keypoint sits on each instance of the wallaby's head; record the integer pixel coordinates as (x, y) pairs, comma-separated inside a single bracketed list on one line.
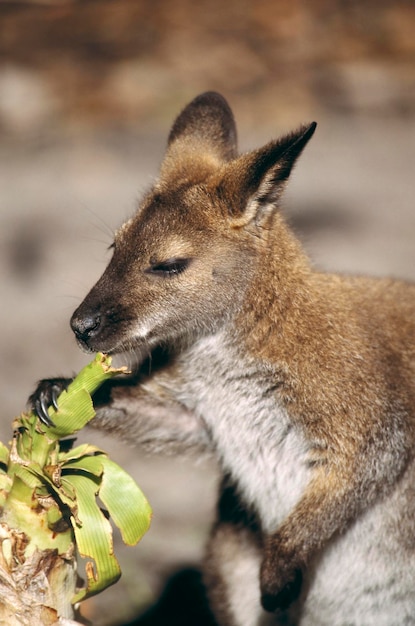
[(181, 265)]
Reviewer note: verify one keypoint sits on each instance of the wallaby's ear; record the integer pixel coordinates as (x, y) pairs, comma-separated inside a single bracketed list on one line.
[(207, 123), (253, 183)]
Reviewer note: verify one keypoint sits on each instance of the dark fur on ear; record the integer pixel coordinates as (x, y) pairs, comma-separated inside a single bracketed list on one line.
[(207, 120), (258, 177)]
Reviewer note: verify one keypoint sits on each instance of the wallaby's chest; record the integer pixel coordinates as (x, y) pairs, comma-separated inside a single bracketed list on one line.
[(253, 436)]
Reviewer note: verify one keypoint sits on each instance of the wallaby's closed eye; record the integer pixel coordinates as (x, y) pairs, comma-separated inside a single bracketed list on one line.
[(302, 384)]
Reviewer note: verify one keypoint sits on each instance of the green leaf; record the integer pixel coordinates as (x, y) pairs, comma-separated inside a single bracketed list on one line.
[(75, 404), (93, 534), (94, 374), (88, 464), (54, 492), (23, 440), (54, 517), (4, 455), (6, 483), (85, 449), (31, 476), (66, 492), (75, 411), (126, 504), (22, 511)]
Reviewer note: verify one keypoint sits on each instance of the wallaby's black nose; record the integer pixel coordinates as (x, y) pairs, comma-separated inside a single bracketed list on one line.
[(85, 326)]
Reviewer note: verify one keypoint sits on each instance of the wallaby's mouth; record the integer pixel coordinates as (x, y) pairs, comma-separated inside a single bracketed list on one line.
[(107, 346), (111, 334)]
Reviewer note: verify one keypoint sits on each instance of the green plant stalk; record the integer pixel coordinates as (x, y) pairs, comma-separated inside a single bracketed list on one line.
[(49, 508)]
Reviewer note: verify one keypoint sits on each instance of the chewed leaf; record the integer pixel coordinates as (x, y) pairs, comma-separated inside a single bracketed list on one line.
[(126, 504), (75, 404), (93, 536), (75, 411), (94, 374)]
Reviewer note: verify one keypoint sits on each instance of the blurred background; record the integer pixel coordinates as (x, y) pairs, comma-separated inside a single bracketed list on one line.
[(88, 91)]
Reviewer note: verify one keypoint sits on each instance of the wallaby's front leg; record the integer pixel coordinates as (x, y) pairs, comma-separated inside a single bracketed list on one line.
[(148, 416), (338, 491), (287, 551)]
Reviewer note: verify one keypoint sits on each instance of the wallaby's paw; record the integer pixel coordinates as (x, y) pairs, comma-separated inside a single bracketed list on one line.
[(281, 577), (45, 395)]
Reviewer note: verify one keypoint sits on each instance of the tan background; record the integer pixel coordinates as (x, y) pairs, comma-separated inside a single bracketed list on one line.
[(87, 93)]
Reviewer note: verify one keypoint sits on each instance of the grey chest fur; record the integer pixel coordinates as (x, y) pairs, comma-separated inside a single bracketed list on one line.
[(254, 439)]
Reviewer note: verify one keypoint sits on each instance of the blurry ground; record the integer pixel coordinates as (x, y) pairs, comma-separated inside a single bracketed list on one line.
[(87, 93)]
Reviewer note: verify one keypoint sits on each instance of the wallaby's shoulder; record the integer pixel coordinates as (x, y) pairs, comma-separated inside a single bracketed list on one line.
[(385, 306), (339, 345), (363, 298), (319, 308)]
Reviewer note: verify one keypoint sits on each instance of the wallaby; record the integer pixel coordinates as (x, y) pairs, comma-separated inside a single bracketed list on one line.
[(301, 383)]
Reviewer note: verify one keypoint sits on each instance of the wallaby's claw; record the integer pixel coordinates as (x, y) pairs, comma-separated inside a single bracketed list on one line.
[(55, 395), (42, 412), (46, 395)]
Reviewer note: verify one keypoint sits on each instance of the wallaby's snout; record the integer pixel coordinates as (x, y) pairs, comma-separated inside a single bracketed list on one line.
[(95, 320), (86, 326)]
